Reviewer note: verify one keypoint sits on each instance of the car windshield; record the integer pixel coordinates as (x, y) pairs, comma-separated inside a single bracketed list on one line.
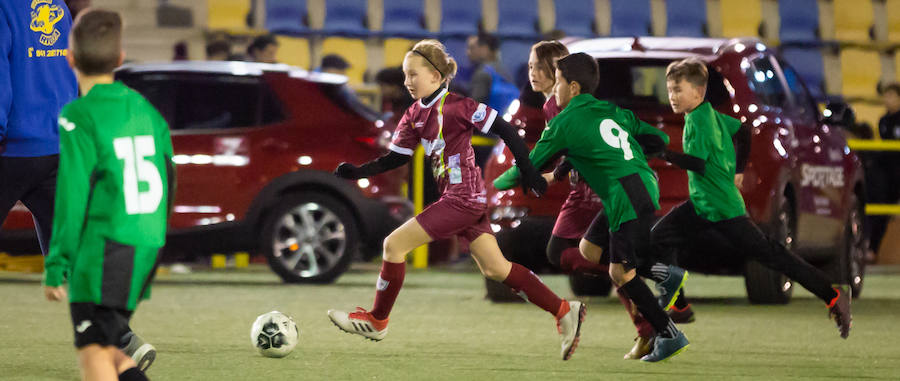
[(345, 97), (640, 85)]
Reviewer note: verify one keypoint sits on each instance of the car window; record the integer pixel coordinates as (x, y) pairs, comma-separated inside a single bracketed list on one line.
[(208, 101), (159, 90), (346, 98), (217, 102), (803, 103), (641, 85), (764, 82)]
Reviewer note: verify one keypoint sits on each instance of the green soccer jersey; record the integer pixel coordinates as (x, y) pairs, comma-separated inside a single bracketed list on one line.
[(599, 140), (707, 135), (114, 188)]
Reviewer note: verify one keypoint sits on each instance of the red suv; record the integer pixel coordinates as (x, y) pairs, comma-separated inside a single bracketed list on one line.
[(802, 183), (255, 145)]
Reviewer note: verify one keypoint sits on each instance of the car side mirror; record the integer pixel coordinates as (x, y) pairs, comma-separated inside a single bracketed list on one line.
[(839, 113)]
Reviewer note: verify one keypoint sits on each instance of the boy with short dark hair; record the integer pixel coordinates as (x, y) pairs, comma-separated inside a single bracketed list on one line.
[(604, 144), (114, 193), (263, 49), (715, 202)]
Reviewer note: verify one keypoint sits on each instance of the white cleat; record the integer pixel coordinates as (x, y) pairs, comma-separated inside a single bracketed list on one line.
[(360, 322), (142, 352), (569, 327)]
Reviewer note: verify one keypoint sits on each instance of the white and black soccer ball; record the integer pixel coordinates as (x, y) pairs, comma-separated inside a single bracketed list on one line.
[(274, 334)]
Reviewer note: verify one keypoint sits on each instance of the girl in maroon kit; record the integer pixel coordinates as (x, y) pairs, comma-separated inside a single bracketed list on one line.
[(443, 123)]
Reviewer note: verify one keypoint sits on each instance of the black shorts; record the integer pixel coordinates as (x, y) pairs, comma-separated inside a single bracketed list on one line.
[(96, 324), (630, 245)]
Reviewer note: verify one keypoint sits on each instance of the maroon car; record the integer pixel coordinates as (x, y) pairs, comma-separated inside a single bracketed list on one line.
[(802, 184), (255, 145)]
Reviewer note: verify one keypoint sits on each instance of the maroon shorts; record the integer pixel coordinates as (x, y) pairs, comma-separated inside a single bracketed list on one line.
[(450, 217), (577, 213)]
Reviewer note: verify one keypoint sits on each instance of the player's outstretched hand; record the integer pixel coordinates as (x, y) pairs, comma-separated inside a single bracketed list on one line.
[(534, 182), (55, 294), (346, 171)]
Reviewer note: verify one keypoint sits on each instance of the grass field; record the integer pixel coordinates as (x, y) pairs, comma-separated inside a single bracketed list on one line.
[(443, 329)]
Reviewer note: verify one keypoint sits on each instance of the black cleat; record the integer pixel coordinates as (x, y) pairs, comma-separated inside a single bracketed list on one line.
[(839, 311), (682, 316)]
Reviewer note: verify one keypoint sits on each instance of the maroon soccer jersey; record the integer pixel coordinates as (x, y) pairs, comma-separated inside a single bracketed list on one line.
[(444, 128), (551, 109)]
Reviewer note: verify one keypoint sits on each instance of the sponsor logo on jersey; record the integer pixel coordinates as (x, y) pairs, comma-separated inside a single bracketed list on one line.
[(435, 146), (44, 16), (419, 125)]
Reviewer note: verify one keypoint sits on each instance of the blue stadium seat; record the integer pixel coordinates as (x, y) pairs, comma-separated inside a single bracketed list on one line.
[(286, 16), (807, 61), (456, 47), (686, 18), (799, 21), (460, 17), (575, 17), (517, 19), (630, 18), (345, 17), (514, 54), (404, 18)]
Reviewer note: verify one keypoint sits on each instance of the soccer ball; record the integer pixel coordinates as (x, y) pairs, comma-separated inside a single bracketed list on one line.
[(274, 334)]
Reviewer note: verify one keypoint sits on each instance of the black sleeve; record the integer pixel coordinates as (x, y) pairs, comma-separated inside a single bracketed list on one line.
[(170, 177), (741, 140), (382, 164), (651, 144), (515, 143), (687, 162), (561, 172)]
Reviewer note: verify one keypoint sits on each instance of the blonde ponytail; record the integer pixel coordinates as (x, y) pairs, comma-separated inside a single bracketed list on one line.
[(434, 52)]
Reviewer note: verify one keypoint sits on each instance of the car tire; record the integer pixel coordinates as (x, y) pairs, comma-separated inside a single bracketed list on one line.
[(590, 285), (853, 258), (523, 245), (498, 292), (765, 286), (309, 238)]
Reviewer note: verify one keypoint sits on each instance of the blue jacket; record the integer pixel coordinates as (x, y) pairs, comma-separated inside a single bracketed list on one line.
[(35, 78)]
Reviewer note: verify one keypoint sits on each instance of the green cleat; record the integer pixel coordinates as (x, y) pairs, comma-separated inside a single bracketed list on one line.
[(669, 288), (666, 348)]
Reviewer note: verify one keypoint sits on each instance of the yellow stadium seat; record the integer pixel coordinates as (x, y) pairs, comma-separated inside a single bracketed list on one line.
[(353, 51), (395, 49), (860, 72), (853, 19), (893, 17), (741, 18), (227, 14), (293, 51), (867, 112), (897, 66)]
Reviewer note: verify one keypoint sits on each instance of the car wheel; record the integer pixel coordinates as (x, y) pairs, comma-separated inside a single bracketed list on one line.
[(498, 292), (590, 285), (765, 286), (309, 238), (853, 259), (523, 245)]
